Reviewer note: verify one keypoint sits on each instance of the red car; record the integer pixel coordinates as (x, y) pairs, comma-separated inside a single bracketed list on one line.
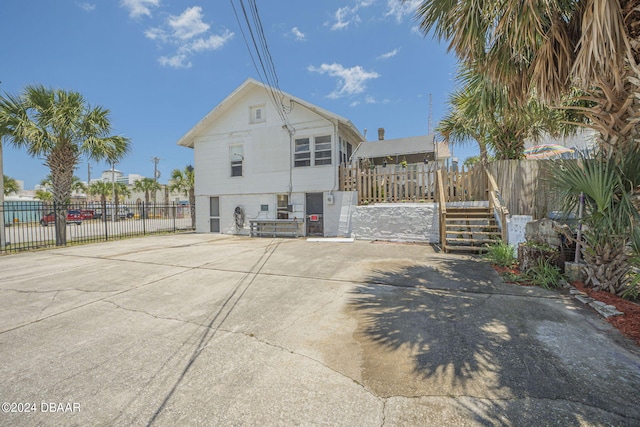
[(86, 214), (73, 217)]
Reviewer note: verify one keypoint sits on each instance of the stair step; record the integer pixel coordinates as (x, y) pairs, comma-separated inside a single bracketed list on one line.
[(474, 209), (449, 248), (463, 240), (482, 233), (468, 215), (470, 226)]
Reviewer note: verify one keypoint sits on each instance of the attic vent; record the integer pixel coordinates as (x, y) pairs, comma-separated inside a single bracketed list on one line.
[(257, 114)]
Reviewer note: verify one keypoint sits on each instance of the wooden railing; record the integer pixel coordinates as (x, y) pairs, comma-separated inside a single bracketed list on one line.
[(411, 183), (392, 183), (442, 208), (495, 203)]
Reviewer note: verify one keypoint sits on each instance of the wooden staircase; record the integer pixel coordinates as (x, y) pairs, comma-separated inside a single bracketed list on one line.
[(469, 229)]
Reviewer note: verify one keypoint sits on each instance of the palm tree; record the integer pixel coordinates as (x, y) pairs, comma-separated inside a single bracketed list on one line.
[(611, 218), (147, 185), (546, 48), (44, 195), (77, 186), (483, 111), (120, 189), (60, 127), (184, 182), (10, 185), (104, 190)]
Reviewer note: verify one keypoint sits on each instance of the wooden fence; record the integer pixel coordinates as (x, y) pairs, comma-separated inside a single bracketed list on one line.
[(526, 187), (411, 183)]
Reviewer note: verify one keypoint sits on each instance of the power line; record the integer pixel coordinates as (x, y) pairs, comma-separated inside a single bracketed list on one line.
[(260, 54)]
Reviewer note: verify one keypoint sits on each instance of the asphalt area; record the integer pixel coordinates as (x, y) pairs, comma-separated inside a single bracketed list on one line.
[(197, 329)]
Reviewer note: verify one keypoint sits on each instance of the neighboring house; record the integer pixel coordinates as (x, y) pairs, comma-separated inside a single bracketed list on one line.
[(412, 150), (251, 165)]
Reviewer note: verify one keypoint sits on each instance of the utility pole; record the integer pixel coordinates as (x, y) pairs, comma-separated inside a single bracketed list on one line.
[(156, 174), (430, 122)]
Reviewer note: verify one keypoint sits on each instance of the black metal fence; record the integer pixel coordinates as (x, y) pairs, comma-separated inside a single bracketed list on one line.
[(32, 224)]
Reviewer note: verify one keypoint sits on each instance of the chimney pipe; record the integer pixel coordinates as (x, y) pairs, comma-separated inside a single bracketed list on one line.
[(380, 134)]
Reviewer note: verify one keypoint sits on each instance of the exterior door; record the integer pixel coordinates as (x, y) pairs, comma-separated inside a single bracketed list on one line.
[(314, 214), (214, 214)]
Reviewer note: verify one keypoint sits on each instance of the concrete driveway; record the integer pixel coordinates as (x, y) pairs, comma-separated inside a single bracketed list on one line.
[(217, 330)]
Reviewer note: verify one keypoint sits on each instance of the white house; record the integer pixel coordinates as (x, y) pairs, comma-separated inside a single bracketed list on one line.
[(251, 165)]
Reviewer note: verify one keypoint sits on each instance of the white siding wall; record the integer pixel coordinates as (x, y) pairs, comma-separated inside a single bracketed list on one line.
[(267, 149)]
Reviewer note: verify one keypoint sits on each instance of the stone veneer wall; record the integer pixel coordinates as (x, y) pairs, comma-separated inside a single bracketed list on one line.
[(396, 222)]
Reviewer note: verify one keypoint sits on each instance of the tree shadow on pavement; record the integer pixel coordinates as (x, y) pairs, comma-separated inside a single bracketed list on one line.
[(452, 328)]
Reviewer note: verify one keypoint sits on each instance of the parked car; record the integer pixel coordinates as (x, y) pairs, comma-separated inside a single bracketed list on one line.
[(87, 214), (73, 217)]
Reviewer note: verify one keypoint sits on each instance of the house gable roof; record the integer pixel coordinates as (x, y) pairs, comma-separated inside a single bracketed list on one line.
[(187, 140), (396, 147)]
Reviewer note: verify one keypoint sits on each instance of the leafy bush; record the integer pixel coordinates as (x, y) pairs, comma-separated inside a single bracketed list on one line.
[(501, 254), (544, 274)]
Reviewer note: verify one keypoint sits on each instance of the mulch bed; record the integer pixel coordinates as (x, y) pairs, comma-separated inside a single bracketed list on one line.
[(628, 323)]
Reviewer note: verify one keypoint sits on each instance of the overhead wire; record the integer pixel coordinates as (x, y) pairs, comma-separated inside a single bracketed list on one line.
[(266, 69)]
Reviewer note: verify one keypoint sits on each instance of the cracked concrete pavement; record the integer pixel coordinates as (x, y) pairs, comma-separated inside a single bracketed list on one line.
[(220, 330)]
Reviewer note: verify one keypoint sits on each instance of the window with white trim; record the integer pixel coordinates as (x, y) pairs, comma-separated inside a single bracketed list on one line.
[(236, 158), (302, 155), (322, 150)]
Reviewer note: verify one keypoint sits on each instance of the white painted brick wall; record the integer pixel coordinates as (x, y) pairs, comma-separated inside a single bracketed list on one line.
[(401, 222)]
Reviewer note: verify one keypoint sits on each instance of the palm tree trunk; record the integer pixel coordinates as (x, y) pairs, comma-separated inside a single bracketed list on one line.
[(61, 162), (192, 207)]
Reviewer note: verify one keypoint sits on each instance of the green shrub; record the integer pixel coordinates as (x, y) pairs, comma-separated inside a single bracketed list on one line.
[(501, 254), (544, 274)]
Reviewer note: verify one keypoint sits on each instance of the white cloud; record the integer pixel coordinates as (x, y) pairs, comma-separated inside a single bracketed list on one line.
[(87, 7), (351, 81), (388, 55), (299, 35), (346, 16), (139, 8), (402, 9), (190, 34), (213, 42), (188, 24), (176, 61)]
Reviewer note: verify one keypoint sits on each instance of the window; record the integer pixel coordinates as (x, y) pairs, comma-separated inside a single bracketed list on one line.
[(302, 156), (346, 150), (236, 157), (257, 114), (322, 150)]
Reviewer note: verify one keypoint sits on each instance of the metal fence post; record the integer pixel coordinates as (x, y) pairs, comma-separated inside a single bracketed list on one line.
[(144, 218), (173, 212)]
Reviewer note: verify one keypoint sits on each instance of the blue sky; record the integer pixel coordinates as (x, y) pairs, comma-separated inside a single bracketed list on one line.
[(161, 65)]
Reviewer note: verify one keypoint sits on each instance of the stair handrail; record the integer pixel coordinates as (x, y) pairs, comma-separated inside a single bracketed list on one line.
[(495, 203), (442, 207)]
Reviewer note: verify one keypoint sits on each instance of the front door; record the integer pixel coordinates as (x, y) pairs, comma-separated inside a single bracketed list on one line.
[(314, 214)]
